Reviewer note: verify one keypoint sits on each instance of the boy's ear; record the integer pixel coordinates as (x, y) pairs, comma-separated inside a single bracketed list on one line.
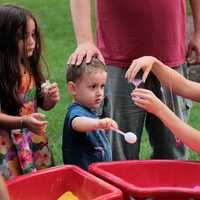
[(71, 87)]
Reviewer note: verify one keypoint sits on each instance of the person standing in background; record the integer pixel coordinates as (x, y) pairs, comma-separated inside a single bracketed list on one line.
[(128, 30)]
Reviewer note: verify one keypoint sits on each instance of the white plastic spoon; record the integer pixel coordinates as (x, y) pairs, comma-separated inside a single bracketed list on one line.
[(129, 136)]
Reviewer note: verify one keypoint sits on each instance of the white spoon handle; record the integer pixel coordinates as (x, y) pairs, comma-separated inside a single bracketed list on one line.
[(119, 131)]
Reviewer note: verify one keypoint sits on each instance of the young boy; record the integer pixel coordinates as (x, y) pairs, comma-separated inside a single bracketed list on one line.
[(84, 140)]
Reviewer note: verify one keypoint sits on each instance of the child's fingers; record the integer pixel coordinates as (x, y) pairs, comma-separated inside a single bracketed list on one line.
[(53, 88), (38, 116), (110, 123), (34, 122), (133, 70), (129, 73), (40, 124), (114, 125), (37, 120), (145, 75)]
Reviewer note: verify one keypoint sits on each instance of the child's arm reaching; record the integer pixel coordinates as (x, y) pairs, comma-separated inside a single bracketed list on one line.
[(84, 124), (148, 101), (32, 122), (167, 76)]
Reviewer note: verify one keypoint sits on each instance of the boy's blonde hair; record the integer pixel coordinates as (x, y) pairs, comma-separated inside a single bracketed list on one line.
[(76, 72)]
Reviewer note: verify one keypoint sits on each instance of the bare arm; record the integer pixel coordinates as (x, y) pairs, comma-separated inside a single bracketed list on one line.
[(81, 16), (195, 6), (189, 135), (194, 43), (148, 101), (10, 122), (84, 124), (176, 82), (167, 76)]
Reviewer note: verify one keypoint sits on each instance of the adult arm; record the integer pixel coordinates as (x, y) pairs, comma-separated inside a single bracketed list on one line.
[(194, 43), (81, 18)]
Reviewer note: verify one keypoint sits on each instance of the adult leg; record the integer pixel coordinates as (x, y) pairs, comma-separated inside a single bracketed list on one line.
[(122, 109), (162, 140)]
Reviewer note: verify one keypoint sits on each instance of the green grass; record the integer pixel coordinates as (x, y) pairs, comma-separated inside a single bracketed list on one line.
[(55, 22)]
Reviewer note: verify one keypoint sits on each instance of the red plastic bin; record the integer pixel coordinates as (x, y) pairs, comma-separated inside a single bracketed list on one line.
[(49, 184), (157, 179)]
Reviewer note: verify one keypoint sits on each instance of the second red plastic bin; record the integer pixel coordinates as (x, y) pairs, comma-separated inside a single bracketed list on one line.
[(157, 179)]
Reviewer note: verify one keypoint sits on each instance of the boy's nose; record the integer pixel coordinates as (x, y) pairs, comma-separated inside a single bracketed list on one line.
[(100, 92)]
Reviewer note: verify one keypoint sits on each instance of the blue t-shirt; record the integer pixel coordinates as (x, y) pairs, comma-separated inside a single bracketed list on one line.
[(82, 149)]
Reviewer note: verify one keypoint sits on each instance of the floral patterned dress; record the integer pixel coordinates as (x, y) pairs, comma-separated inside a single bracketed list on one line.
[(22, 151)]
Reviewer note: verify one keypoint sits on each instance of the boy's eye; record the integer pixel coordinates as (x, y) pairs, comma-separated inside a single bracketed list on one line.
[(93, 86), (102, 86)]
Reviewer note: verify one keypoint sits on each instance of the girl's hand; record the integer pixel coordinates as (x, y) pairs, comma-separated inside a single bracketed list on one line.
[(51, 96), (147, 100), (107, 123), (34, 122), (145, 63), (86, 49)]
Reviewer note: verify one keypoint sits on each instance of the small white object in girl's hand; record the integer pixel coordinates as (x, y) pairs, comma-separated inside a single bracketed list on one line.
[(45, 86)]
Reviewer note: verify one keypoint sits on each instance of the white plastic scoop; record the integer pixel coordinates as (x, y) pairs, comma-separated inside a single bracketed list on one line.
[(45, 86), (129, 136)]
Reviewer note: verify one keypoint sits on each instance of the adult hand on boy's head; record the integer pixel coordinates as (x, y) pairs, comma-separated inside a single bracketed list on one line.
[(86, 49)]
